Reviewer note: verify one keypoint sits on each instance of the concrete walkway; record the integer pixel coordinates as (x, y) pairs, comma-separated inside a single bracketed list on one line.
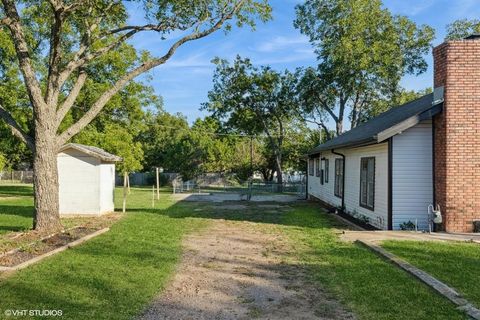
[(222, 197), (378, 236)]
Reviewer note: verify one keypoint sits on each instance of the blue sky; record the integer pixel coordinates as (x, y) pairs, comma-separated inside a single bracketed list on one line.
[(184, 80)]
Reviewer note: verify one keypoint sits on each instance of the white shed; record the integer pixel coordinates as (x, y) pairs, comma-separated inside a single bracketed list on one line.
[(86, 177)]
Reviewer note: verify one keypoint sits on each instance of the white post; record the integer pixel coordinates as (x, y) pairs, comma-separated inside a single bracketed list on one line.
[(128, 183), (124, 192), (158, 184)]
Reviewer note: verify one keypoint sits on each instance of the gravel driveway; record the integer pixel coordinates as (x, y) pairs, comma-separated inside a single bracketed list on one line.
[(241, 270)]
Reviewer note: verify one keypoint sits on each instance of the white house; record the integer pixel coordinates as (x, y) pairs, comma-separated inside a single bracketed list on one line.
[(389, 170), (86, 178), (381, 171)]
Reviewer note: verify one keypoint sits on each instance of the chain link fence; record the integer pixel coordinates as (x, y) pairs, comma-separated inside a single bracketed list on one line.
[(248, 189), (14, 177)]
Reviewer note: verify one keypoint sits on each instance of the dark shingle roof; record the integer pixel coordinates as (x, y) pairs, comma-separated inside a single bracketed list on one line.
[(384, 125), (92, 151)]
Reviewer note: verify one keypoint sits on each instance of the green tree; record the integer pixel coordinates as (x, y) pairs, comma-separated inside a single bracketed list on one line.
[(460, 29), (58, 45), (253, 100), (299, 140), (363, 52), (402, 97), (3, 162), (163, 132)]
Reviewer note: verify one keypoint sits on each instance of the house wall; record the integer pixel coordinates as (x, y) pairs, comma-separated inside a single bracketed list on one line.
[(107, 187), (78, 177), (457, 138), (379, 216), (412, 185)]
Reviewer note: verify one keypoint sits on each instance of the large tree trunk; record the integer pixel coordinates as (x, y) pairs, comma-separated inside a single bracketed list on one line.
[(45, 183)]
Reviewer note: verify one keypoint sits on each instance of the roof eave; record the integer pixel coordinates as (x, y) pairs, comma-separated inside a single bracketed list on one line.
[(359, 143), (408, 123), (102, 157)]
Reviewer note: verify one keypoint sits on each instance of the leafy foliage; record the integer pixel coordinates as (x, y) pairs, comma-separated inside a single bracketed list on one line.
[(363, 52), (3, 162), (462, 28), (253, 100)]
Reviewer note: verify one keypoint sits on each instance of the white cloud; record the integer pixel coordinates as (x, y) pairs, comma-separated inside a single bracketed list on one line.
[(281, 42)]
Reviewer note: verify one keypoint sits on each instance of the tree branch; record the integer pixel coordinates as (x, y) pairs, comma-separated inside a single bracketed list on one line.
[(72, 96), (53, 90), (23, 55), (80, 58), (16, 129), (106, 96), (4, 21)]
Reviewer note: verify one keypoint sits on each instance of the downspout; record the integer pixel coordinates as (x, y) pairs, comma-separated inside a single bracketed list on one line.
[(343, 178), (306, 181), (390, 184)]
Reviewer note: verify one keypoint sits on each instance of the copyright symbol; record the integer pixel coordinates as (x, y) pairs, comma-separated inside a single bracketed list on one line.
[(8, 313)]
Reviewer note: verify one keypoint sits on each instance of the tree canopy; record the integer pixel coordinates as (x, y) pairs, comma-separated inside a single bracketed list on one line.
[(74, 58), (363, 51), (462, 28), (253, 100)]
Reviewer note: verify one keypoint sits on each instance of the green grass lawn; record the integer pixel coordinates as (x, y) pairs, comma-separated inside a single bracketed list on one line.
[(368, 285), (115, 275), (456, 264), (16, 205), (112, 276)]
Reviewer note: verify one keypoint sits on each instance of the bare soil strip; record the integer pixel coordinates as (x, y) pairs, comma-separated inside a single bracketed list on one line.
[(241, 270)]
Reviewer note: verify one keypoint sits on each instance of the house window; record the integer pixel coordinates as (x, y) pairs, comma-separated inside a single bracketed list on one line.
[(310, 167), (367, 182), (338, 188), (326, 170), (317, 167)]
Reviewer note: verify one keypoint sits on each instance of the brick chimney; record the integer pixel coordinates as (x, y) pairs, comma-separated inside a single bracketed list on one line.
[(457, 133)]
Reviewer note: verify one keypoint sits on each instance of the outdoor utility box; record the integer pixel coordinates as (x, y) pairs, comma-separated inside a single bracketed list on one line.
[(476, 226), (86, 177)]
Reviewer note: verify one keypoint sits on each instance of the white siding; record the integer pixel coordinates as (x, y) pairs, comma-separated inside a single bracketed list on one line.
[(86, 184), (325, 192), (78, 177), (412, 185), (107, 187), (379, 216)]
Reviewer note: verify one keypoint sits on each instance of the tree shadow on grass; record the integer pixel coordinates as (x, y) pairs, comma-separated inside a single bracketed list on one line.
[(16, 190), (251, 212), (16, 215)]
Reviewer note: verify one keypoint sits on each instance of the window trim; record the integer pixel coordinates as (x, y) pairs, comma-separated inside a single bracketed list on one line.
[(326, 169), (311, 167), (317, 167), (339, 178), (366, 206)]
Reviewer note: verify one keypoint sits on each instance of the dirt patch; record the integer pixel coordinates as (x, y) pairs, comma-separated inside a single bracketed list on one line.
[(36, 249), (241, 270), (30, 244)]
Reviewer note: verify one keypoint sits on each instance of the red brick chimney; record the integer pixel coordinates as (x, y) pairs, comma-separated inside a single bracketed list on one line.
[(457, 133)]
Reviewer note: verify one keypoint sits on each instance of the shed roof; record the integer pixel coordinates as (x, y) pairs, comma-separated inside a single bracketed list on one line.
[(384, 125), (92, 151)]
